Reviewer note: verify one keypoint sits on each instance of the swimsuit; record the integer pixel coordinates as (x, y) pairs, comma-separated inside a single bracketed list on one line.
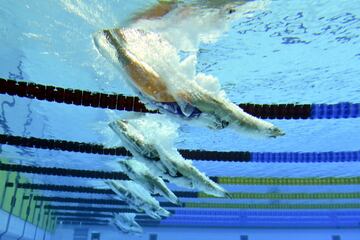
[(174, 108)]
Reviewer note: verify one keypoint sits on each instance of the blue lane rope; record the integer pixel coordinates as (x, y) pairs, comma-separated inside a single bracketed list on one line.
[(335, 111), (257, 219), (279, 213), (255, 223), (344, 156)]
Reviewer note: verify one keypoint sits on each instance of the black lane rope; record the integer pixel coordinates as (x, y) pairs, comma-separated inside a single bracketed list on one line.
[(76, 214), (79, 219), (65, 172), (94, 219), (217, 179), (81, 189), (72, 223), (62, 188), (94, 209), (90, 209), (63, 145), (94, 215), (129, 103), (234, 156), (83, 223), (81, 200), (94, 201)]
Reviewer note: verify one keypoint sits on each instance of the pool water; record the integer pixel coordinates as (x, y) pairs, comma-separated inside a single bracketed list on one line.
[(292, 52)]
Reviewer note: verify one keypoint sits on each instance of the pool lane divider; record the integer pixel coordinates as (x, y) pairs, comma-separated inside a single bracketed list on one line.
[(180, 194), (353, 223), (82, 214), (87, 220), (234, 195), (94, 201), (255, 223), (267, 213), (228, 217), (196, 155), (194, 219), (63, 216), (194, 205), (289, 196), (243, 216), (66, 172), (74, 223), (271, 206), (165, 204), (229, 213), (206, 205), (289, 181), (129, 103), (93, 209), (191, 219)]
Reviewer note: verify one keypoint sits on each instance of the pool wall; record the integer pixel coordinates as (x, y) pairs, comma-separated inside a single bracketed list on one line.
[(20, 215)]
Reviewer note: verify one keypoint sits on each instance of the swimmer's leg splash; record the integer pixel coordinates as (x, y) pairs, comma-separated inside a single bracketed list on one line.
[(112, 44)]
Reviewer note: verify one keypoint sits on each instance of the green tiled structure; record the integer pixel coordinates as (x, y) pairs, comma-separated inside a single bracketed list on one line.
[(23, 205)]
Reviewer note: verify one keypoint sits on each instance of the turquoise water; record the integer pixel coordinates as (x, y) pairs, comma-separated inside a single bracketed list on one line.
[(292, 52)]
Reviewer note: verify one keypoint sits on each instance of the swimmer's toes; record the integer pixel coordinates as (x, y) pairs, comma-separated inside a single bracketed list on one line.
[(228, 195), (178, 202), (276, 132)]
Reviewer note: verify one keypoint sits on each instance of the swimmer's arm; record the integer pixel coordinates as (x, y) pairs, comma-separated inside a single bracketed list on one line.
[(157, 11)]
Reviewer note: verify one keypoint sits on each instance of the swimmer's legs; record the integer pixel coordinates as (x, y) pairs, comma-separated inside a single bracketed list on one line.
[(227, 113), (157, 11), (112, 42)]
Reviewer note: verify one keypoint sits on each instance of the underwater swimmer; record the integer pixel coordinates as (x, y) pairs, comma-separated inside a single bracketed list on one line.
[(126, 223), (165, 87), (163, 162)]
